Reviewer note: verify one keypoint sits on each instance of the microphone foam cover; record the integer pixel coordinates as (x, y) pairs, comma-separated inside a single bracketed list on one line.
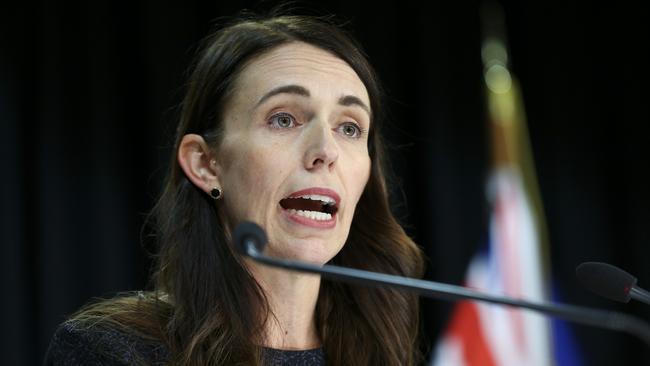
[(247, 232), (606, 280)]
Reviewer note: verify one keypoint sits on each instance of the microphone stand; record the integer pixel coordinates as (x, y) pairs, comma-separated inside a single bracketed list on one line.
[(578, 314), (639, 294)]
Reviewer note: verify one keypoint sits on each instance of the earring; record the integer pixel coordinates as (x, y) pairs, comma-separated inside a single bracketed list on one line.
[(215, 193)]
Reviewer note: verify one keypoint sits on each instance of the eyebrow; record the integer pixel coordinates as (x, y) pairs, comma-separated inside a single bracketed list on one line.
[(350, 100), (346, 100), (285, 89)]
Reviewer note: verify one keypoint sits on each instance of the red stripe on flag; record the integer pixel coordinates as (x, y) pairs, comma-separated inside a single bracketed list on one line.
[(465, 327)]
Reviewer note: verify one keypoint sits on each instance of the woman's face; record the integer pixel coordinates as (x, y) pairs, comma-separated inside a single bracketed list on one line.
[(294, 154)]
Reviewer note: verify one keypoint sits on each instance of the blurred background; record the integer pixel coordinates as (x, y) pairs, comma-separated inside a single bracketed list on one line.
[(88, 96)]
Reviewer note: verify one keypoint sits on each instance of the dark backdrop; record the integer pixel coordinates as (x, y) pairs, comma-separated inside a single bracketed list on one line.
[(87, 96)]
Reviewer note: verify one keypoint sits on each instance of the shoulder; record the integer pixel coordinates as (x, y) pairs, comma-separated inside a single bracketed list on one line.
[(75, 343), (118, 331)]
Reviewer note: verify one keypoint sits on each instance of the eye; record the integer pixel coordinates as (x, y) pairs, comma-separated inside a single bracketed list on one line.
[(351, 129), (282, 120)]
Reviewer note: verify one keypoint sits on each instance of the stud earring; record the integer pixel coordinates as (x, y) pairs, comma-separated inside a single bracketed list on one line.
[(215, 193)]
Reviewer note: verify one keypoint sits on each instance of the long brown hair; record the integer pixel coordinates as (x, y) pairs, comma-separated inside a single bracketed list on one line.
[(206, 307)]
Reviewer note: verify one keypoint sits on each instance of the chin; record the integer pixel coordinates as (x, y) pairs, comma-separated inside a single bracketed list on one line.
[(311, 251)]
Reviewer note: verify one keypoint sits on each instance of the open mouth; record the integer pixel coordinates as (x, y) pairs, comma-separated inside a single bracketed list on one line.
[(312, 206)]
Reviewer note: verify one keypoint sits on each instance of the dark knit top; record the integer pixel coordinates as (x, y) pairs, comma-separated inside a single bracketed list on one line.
[(76, 345)]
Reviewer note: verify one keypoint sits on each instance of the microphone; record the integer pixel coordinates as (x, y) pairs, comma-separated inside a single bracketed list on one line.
[(611, 282), (250, 240)]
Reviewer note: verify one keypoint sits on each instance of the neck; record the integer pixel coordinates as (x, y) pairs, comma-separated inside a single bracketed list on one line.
[(292, 300)]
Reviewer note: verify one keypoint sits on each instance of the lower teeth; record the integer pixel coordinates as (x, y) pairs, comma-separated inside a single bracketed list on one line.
[(314, 215)]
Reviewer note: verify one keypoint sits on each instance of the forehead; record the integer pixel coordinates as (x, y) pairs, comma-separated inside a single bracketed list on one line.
[(302, 64)]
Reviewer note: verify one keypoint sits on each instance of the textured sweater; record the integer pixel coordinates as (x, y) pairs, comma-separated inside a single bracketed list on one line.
[(73, 344)]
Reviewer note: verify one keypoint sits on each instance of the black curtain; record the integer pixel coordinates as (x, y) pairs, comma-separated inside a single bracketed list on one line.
[(87, 109)]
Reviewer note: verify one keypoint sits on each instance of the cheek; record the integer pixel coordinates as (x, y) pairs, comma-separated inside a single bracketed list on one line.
[(364, 168), (358, 175), (252, 177)]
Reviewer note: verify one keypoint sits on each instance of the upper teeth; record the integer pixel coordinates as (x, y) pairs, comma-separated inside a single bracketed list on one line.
[(316, 197)]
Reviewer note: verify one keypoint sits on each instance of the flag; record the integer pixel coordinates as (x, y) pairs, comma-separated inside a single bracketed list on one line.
[(514, 260)]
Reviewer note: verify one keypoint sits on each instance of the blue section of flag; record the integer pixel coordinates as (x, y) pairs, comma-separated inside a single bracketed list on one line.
[(565, 348)]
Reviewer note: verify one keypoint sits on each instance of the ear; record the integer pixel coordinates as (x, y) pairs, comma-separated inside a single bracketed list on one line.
[(196, 160)]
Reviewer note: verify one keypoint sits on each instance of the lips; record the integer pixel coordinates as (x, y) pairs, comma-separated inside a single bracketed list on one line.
[(314, 207)]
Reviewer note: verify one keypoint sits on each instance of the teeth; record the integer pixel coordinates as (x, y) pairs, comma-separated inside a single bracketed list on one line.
[(314, 215), (317, 197)]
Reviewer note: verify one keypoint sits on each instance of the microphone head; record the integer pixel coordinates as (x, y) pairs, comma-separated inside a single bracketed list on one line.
[(248, 234), (606, 280)]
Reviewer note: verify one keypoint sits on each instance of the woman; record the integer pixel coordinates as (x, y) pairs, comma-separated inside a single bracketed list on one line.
[(280, 125)]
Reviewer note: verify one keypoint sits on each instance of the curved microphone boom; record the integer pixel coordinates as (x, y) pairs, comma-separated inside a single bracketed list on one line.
[(611, 282), (250, 240)]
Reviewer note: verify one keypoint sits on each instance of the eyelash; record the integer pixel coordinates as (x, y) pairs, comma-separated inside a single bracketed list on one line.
[(274, 118), (360, 131)]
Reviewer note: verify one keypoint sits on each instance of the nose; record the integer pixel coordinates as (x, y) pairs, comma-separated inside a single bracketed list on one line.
[(322, 150)]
